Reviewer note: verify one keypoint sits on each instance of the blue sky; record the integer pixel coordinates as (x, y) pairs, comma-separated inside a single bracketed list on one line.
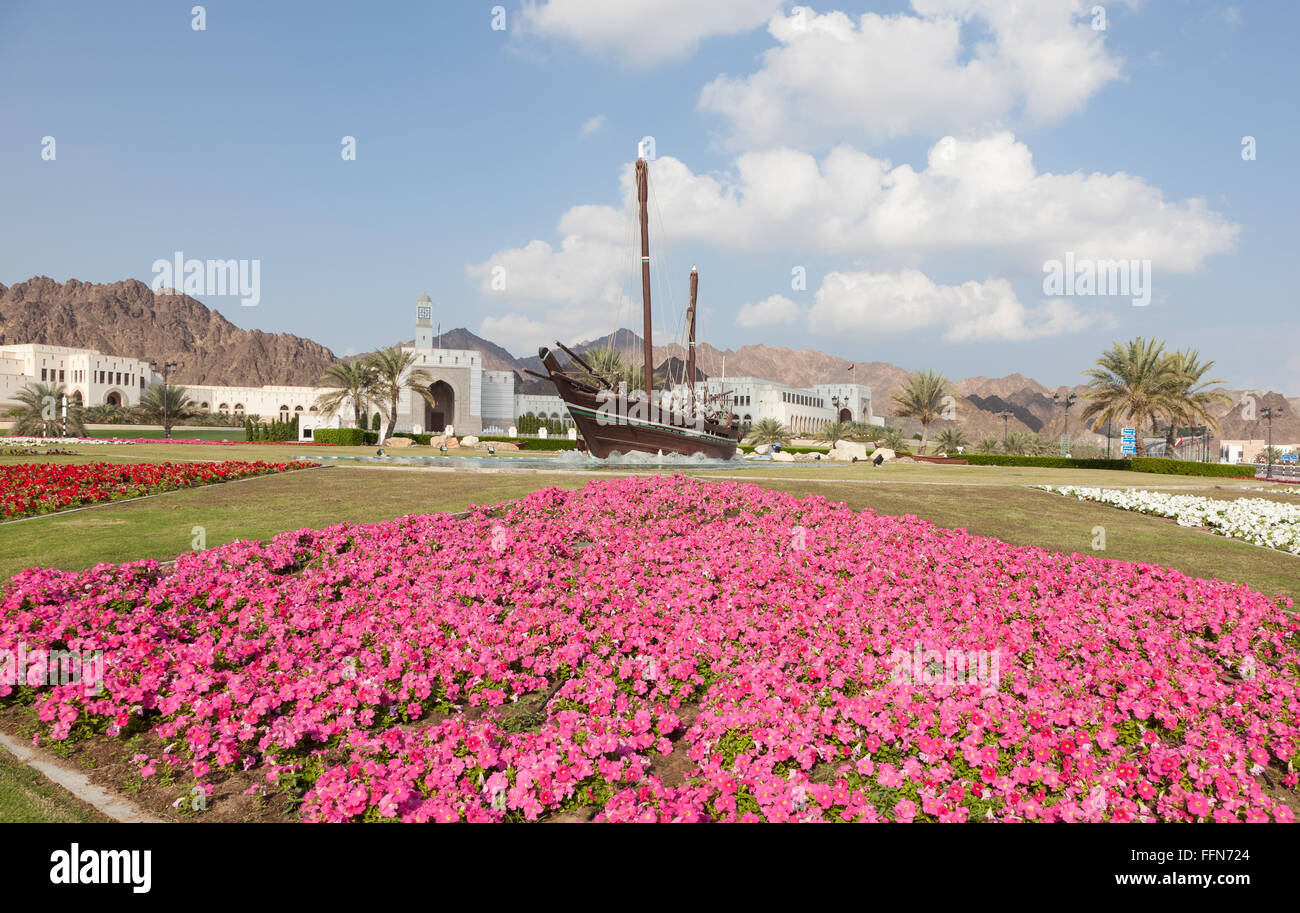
[(472, 154)]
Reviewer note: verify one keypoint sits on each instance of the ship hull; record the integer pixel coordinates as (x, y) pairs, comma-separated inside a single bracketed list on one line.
[(608, 423)]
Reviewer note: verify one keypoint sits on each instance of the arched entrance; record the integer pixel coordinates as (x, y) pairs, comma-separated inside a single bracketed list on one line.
[(846, 414), (439, 407), (113, 398)]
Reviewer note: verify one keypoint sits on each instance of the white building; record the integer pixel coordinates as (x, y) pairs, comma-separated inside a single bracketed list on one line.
[(462, 395)]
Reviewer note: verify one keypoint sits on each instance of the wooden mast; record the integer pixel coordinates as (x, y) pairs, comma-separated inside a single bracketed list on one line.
[(642, 196), (690, 345)]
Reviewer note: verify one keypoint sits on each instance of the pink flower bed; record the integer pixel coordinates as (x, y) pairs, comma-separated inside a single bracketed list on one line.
[(687, 651)]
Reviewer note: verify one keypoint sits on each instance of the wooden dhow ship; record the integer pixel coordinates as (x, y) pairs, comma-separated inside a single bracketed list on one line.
[(611, 417)]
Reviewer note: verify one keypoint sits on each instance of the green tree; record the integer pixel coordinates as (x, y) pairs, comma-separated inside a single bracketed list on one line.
[(769, 431), (893, 439), (1193, 398), (395, 371), (347, 382), (1134, 382), (988, 444), (167, 405), (834, 432), (39, 412), (950, 439), (922, 398)]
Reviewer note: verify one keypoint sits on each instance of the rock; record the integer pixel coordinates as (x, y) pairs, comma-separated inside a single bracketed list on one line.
[(884, 452), (763, 449), (468, 440), (502, 446), (452, 443), (783, 457), (398, 442), (128, 318), (905, 459), (846, 451)]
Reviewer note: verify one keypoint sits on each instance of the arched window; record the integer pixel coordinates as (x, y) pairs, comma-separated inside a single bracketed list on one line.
[(313, 409), (224, 408), (203, 406), (284, 413), (239, 409), (297, 410)]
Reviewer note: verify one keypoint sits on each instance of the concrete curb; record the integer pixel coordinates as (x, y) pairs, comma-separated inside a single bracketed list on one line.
[(77, 783)]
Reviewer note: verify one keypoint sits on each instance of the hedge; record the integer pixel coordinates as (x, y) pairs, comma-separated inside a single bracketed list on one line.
[(749, 448), (536, 443), (344, 437), (1191, 468), (1050, 462), (1159, 465)]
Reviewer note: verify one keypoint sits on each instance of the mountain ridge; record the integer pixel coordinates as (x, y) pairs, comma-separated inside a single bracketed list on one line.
[(127, 318)]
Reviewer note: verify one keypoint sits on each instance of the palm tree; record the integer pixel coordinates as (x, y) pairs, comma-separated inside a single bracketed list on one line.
[(167, 404), (834, 432), (894, 440), (39, 412), (1018, 442), (1194, 399), (988, 444), (348, 382), (394, 371), (922, 398), (1132, 381), (769, 431), (950, 439), (864, 431)]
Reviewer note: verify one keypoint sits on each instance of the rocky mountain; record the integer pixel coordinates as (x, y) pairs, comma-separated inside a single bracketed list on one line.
[(127, 318)]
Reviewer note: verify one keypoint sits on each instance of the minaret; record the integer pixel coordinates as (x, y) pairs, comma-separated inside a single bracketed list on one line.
[(424, 322)]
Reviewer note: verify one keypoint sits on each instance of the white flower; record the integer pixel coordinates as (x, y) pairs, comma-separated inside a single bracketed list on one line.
[(1269, 524)]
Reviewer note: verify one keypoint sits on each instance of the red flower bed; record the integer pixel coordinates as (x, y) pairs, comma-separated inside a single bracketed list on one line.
[(27, 489)]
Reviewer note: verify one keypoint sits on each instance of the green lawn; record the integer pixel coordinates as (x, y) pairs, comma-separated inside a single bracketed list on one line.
[(27, 797), (164, 526)]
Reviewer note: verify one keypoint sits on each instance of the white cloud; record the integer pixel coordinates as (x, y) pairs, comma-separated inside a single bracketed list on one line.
[(977, 197), (776, 309), (981, 195), (898, 74), (868, 304), (593, 124), (643, 32)]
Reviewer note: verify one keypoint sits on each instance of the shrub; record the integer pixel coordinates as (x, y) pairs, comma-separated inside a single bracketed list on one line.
[(1191, 468), (1050, 462), (344, 437), (1137, 464)]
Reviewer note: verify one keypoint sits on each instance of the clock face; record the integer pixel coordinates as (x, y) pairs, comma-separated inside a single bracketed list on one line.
[(426, 313)]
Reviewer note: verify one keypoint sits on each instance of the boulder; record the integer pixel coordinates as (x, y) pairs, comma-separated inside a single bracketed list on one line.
[(763, 449), (846, 451), (398, 442), (468, 440), (783, 457), (884, 452)]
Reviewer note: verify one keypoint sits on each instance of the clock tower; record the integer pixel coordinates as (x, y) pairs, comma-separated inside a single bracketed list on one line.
[(423, 322)]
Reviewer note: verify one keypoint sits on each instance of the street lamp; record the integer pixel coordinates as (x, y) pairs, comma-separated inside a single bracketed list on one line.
[(1268, 412), (1068, 401), (1005, 415), (166, 370)]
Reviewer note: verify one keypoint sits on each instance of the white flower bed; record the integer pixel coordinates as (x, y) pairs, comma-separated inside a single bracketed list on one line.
[(1271, 524)]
